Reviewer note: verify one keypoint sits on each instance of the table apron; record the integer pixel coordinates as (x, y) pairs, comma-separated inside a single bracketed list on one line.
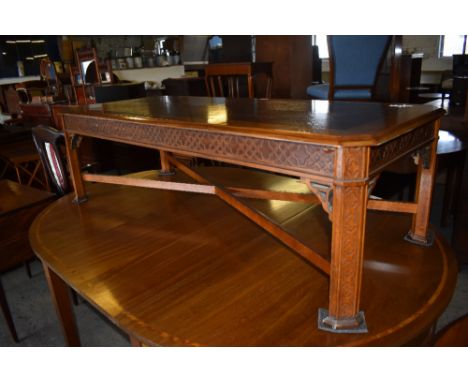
[(388, 152), (288, 157)]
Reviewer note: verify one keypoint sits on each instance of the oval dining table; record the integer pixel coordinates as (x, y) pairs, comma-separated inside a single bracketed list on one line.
[(185, 269)]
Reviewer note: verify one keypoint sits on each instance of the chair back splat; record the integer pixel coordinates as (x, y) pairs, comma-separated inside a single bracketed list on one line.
[(236, 80), (48, 142)]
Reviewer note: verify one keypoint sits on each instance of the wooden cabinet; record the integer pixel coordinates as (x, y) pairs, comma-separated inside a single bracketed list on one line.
[(292, 63), (410, 78)]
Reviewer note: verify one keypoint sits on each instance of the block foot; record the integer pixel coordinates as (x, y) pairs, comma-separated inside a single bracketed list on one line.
[(328, 323), (419, 240)]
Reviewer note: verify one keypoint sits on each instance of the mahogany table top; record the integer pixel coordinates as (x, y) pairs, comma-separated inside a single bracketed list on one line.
[(174, 268), (19, 205), (15, 196), (335, 123)]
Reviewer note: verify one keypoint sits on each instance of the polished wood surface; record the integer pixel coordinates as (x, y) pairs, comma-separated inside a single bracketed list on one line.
[(337, 149), (311, 121), (454, 334), (15, 196), (173, 268)]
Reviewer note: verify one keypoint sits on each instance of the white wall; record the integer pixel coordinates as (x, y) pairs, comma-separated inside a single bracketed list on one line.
[(429, 45), (156, 74), (432, 65)]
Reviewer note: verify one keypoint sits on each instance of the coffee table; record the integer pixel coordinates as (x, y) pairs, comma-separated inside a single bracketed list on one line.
[(337, 149)]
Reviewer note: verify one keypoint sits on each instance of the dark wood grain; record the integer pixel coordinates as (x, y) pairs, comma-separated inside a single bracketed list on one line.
[(312, 121), (337, 148), (173, 268), (454, 334), (15, 196)]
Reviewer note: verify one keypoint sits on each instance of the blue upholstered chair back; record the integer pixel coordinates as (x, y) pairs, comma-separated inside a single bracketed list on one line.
[(357, 58), (354, 65)]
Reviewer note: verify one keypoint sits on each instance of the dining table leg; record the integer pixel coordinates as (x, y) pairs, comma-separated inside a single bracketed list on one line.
[(6, 312), (60, 293)]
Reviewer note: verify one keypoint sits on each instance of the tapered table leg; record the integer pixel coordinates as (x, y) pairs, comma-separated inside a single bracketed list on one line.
[(60, 293)]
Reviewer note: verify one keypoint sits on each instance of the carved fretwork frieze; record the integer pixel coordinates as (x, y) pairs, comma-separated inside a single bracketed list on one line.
[(400, 146), (278, 154), (324, 193)]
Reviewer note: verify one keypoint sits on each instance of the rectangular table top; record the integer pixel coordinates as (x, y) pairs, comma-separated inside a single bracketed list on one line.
[(322, 122)]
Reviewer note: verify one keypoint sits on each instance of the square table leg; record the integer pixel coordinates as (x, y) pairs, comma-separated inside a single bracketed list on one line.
[(60, 293), (349, 208), (71, 146), (420, 232)]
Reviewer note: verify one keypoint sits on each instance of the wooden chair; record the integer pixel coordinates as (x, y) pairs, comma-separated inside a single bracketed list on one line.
[(58, 86), (22, 157), (47, 141), (50, 144), (88, 72), (355, 62), (28, 90), (229, 79), (49, 75)]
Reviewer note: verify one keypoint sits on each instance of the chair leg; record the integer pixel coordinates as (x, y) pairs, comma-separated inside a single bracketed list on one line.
[(448, 197), (7, 314), (28, 269), (74, 297)]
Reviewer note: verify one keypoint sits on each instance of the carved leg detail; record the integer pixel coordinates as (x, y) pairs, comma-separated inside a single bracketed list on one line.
[(349, 215)]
